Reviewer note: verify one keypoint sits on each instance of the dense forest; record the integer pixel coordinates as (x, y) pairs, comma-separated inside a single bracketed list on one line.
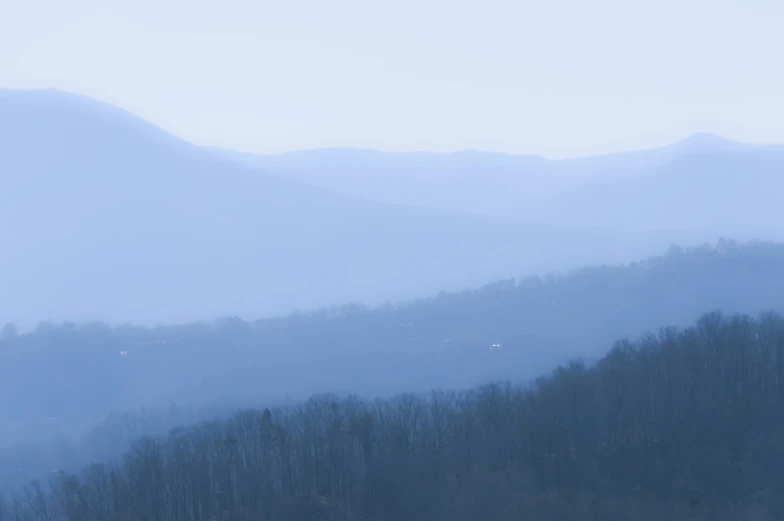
[(76, 392), (683, 425)]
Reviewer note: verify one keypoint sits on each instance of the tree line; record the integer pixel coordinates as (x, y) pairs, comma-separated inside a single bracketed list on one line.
[(683, 425), (67, 377), (61, 380)]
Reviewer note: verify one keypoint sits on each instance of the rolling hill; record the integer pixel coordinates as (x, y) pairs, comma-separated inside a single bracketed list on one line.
[(62, 378), (734, 192), (479, 182), (105, 216)]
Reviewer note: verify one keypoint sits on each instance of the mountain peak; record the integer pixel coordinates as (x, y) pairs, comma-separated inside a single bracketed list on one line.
[(705, 142), (33, 115), (55, 98)]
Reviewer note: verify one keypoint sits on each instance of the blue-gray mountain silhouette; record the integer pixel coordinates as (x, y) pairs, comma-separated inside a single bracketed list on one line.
[(105, 216), (490, 183)]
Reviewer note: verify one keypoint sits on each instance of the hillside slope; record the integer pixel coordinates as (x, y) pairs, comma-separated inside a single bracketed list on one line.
[(62, 378), (684, 425), (104, 216)]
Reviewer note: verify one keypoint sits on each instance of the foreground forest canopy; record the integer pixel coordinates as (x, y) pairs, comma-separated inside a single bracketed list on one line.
[(681, 425)]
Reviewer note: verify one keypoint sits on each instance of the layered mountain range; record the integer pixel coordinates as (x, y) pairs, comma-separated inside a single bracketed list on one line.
[(105, 216)]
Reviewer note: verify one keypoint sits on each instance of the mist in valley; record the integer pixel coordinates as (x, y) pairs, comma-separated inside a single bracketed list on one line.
[(289, 265)]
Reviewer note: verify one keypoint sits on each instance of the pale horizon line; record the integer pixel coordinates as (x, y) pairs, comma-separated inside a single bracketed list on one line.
[(349, 148)]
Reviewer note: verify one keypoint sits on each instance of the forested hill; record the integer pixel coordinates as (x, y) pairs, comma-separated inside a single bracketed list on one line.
[(73, 375), (680, 426)]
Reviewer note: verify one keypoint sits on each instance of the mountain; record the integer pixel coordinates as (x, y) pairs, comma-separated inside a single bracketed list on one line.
[(683, 426), (479, 182), (508, 330), (733, 191), (67, 376), (105, 216)]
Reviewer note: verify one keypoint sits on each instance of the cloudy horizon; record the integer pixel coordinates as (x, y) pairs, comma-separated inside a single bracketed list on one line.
[(558, 80)]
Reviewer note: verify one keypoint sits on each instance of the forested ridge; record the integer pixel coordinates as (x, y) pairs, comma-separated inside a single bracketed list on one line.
[(442, 341), (69, 396), (685, 424), (391, 261)]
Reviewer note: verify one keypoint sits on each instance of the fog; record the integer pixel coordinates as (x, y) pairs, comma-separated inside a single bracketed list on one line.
[(402, 261), (123, 244), (74, 393)]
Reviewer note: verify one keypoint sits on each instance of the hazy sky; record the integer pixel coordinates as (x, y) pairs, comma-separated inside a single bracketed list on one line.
[(556, 77)]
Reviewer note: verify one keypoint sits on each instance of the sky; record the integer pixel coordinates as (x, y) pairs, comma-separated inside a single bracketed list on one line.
[(560, 78)]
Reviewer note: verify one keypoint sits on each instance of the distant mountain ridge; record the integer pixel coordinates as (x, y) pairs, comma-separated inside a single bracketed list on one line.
[(504, 185), (104, 216), (732, 192)]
